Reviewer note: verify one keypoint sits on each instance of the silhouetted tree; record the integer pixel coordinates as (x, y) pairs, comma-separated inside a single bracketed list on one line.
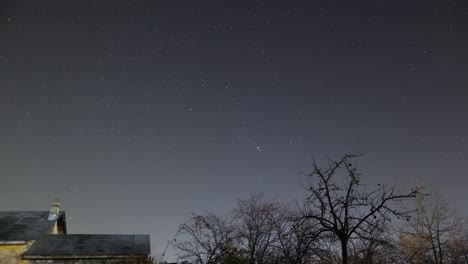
[(256, 230), (375, 245), (205, 239), (298, 239), (343, 206)]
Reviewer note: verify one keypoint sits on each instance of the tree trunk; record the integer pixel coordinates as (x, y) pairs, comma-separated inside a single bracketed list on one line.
[(344, 251)]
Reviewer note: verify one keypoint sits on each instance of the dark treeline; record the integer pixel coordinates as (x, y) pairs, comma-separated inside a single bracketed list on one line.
[(339, 220)]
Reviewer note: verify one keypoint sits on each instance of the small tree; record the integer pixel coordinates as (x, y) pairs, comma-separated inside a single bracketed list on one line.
[(457, 247), (205, 239), (375, 244), (344, 206), (430, 230), (255, 225), (297, 239)]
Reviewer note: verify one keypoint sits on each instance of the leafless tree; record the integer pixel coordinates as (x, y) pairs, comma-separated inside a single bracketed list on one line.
[(375, 245), (204, 238), (298, 239), (256, 231), (343, 205), (431, 228), (457, 246)]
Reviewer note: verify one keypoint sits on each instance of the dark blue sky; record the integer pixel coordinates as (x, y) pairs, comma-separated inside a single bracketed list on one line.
[(136, 113)]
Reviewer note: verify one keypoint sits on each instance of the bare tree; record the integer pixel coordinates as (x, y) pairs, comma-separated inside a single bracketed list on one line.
[(343, 205), (457, 246), (297, 239), (204, 238), (430, 229), (255, 225), (375, 244)]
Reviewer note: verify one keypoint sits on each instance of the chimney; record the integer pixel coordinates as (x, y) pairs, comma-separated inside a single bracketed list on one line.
[(54, 210)]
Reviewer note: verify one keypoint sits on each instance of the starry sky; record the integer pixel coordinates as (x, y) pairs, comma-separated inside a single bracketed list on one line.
[(136, 113)]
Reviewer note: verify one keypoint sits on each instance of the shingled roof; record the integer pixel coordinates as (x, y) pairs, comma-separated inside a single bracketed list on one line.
[(20, 226), (88, 246)]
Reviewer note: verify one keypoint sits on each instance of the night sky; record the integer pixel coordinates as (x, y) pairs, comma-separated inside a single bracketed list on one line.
[(136, 113)]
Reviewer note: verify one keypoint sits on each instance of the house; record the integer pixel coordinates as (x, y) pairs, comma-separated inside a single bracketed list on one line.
[(41, 237)]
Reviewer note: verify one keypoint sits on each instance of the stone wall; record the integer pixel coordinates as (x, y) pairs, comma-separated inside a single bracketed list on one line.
[(129, 260), (76, 261)]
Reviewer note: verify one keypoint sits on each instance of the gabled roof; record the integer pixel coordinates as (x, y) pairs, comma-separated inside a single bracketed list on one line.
[(18, 226), (89, 246)]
